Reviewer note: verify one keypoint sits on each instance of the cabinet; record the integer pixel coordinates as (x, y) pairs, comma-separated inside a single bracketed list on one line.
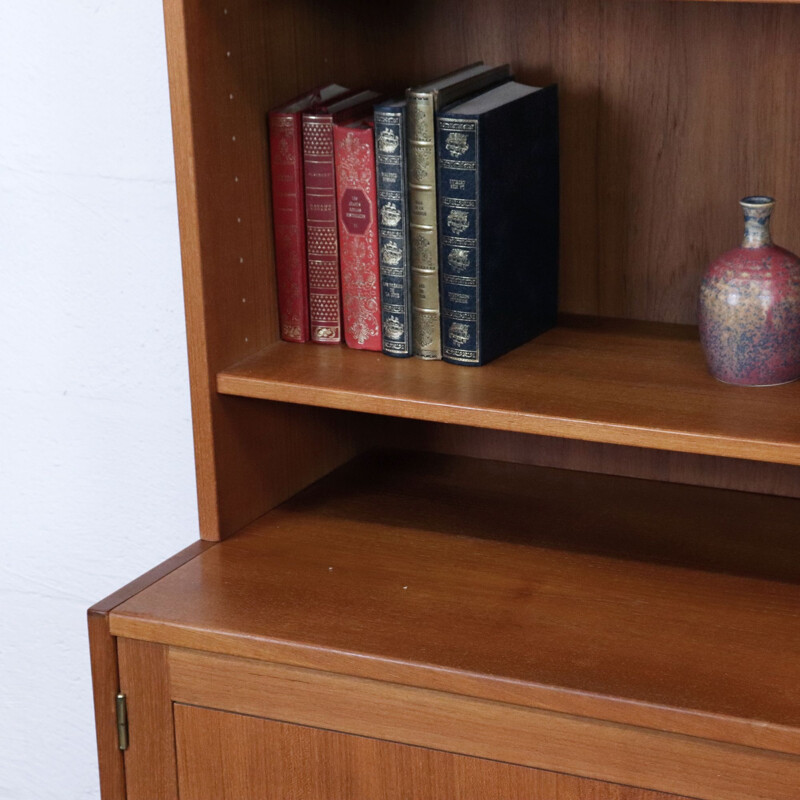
[(573, 572)]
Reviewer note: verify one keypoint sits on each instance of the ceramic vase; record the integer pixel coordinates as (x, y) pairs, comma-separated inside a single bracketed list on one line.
[(749, 310)]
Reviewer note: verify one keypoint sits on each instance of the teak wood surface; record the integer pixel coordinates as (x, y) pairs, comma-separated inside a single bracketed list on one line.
[(217, 753), (658, 605), (658, 143), (608, 459), (500, 731), (248, 456), (595, 610), (150, 765), (640, 384), (105, 671)]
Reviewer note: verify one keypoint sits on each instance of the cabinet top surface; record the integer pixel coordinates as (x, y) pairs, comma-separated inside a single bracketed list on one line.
[(668, 606)]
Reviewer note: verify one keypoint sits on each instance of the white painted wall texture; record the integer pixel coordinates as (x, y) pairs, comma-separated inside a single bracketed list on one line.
[(96, 467)]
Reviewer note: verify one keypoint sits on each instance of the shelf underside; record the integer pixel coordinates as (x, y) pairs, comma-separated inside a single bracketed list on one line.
[(657, 605), (629, 383)]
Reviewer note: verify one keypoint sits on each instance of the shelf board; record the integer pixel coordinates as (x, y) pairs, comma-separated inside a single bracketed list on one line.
[(637, 602), (621, 382)]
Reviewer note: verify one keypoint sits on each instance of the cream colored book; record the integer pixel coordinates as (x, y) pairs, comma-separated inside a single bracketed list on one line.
[(423, 103)]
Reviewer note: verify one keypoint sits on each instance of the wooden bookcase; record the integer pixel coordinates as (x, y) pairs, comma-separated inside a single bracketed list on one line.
[(572, 573)]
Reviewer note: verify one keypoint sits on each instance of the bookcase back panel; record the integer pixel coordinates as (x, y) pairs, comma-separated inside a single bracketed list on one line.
[(609, 459), (665, 124), (669, 113)]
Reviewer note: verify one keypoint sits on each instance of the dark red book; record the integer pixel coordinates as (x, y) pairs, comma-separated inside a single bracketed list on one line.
[(322, 239), (354, 154), (288, 214)]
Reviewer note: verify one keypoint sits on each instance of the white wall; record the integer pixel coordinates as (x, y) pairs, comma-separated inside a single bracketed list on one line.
[(96, 465)]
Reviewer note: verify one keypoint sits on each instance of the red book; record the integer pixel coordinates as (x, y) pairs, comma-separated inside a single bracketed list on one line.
[(288, 215), (354, 152), (324, 290)]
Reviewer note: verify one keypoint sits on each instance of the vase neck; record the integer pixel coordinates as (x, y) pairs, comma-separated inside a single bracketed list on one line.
[(757, 212)]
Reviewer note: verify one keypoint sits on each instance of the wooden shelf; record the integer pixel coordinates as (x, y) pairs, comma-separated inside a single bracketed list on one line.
[(614, 381), (658, 605)]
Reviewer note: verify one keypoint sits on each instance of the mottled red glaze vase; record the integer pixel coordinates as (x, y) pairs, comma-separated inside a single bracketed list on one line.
[(750, 307)]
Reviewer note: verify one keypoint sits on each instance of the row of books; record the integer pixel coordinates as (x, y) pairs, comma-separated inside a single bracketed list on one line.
[(426, 225)]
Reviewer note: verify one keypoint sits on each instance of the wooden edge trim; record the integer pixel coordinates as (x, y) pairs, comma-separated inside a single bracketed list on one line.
[(151, 767), (105, 685), (662, 719), (179, 44), (108, 604), (105, 671), (232, 382), (594, 749)]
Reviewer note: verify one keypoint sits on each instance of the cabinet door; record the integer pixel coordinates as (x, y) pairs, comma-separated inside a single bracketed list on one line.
[(227, 756)]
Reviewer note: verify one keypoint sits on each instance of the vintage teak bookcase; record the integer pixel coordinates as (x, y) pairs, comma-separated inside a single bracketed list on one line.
[(573, 573)]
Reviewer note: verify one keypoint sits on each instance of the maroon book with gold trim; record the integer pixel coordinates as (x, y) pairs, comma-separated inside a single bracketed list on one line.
[(322, 237), (354, 153), (288, 213)]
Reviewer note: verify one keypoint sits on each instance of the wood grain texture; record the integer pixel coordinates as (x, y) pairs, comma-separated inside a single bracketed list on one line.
[(231, 755), (627, 383), (105, 672), (650, 178), (632, 601), (150, 766), (607, 459), (105, 684), (657, 146), (223, 78), (566, 744)]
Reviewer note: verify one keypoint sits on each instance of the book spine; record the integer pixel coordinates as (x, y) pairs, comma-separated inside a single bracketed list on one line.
[(354, 155), (460, 246), (286, 166), (325, 308), (425, 323), (395, 267)]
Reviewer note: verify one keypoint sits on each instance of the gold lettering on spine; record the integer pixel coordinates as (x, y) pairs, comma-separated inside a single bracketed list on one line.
[(426, 332)]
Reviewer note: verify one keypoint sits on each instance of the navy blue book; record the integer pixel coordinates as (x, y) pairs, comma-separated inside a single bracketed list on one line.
[(498, 220), (393, 247)]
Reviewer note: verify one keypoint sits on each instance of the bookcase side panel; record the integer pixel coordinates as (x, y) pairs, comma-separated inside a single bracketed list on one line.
[(229, 62)]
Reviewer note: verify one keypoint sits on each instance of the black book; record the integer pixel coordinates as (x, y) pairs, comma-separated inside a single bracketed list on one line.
[(498, 184)]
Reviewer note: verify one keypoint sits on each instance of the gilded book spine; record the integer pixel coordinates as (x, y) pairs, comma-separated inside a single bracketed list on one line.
[(427, 338), (395, 267), (354, 156), (460, 252), (324, 294)]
